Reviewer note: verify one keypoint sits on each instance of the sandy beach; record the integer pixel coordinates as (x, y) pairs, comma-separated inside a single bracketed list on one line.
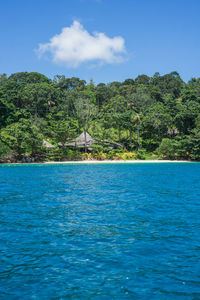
[(116, 161)]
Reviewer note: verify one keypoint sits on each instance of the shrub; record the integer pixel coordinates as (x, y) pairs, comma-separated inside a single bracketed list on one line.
[(5, 151), (167, 149), (141, 154), (86, 156), (128, 155)]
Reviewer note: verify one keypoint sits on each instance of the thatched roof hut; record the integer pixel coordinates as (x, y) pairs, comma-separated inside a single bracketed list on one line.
[(80, 141), (47, 145)]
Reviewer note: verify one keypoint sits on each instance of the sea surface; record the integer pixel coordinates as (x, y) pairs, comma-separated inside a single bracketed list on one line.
[(113, 231)]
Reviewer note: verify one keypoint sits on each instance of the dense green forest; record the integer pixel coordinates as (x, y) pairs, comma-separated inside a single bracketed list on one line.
[(151, 117)]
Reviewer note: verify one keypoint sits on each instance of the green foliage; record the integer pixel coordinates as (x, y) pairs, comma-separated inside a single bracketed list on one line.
[(62, 154), (5, 151), (60, 128), (141, 154), (192, 144), (167, 149), (28, 77), (144, 114), (186, 116), (22, 137)]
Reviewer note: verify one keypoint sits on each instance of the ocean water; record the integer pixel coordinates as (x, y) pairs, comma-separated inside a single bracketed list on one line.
[(125, 231)]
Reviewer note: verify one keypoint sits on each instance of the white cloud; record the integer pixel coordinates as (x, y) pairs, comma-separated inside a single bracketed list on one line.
[(75, 45)]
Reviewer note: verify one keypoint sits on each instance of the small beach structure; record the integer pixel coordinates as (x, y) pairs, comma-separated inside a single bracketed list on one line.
[(47, 145), (84, 140)]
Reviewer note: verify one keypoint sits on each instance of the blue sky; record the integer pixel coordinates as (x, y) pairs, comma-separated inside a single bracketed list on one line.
[(156, 35)]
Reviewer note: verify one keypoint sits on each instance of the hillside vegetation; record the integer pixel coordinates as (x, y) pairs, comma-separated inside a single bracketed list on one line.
[(152, 117)]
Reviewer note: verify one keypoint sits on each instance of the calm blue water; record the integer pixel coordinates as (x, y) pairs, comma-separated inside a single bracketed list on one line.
[(100, 231)]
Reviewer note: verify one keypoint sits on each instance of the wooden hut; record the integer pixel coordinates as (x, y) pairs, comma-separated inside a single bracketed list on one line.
[(84, 141)]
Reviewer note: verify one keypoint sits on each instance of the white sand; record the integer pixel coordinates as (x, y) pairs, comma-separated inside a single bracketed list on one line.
[(115, 161)]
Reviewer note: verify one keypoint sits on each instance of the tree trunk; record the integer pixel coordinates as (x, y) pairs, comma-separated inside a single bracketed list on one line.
[(138, 138), (85, 138), (119, 133), (130, 136)]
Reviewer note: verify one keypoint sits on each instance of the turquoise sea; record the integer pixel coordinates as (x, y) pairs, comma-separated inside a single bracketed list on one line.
[(109, 231)]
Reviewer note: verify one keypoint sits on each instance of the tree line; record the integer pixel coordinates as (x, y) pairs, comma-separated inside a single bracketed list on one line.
[(156, 116)]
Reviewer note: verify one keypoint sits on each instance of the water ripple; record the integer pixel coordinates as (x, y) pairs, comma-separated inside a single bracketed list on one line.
[(100, 231)]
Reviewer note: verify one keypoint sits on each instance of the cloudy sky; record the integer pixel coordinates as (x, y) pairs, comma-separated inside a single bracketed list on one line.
[(105, 40)]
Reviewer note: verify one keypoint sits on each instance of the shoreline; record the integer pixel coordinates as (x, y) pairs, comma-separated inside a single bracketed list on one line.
[(77, 162), (115, 161)]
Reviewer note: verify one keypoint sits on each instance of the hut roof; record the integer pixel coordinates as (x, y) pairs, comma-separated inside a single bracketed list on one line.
[(47, 144), (80, 140), (173, 131)]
